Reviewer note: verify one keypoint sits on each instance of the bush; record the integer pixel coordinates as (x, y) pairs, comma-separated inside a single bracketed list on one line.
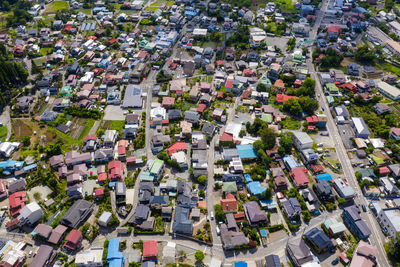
[(202, 179), (199, 256)]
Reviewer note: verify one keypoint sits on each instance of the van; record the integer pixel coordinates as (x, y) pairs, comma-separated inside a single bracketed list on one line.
[(4, 208), (212, 215), (217, 230)]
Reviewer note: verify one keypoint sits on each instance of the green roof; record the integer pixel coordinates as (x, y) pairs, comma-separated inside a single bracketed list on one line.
[(298, 57), (146, 176), (331, 87), (156, 167), (266, 81), (330, 99), (229, 187), (378, 160)]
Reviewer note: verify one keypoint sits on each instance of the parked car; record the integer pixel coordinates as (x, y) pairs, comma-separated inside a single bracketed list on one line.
[(212, 215), (364, 208), (335, 261)]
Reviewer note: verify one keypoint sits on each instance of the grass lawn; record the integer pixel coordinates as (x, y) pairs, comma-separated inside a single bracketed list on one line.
[(89, 124), (114, 125), (116, 6), (168, 3), (390, 68), (152, 7), (85, 11), (3, 132), (210, 44), (44, 51), (291, 124), (57, 5)]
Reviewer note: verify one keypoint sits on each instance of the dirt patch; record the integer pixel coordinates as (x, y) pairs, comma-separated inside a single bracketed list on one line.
[(20, 129)]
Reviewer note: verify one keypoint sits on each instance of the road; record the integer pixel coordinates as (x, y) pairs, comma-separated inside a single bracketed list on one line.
[(5, 119), (348, 171)]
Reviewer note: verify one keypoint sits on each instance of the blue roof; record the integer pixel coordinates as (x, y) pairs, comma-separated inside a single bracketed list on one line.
[(269, 203), (246, 151), (263, 233), (324, 176), (115, 258), (247, 178), (30, 167), (255, 188), (240, 264), (11, 164), (290, 162), (190, 13)]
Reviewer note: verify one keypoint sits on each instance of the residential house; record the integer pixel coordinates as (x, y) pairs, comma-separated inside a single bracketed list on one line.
[(318, 240), (73, 240), (77, 213), (298, 252), (352, 219), (254, 214)]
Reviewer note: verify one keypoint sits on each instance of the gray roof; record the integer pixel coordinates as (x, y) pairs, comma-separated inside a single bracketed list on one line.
[(253, 213), (120, 189), (142, 212), (208, 129), (344, 190), (77, 213), (353, 213), (299, 250), (43, 257), (16, 185), (192, 116), (133, 97), (162, 200), (181, 223), (319, 238)]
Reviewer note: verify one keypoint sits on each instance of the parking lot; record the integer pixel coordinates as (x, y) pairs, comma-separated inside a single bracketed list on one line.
[(114, 113), (346, 132)]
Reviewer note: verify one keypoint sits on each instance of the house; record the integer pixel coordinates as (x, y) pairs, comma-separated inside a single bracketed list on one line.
[(157, 142), (272, 261), (324, 190), (353, 69), (57, 234), (17, 201), (120, 193), (75, 157), (333, 32), (150, 250), (334, 227), (115, 258), (230, 238), (302, 140), (388, 219), (298, 252), (77, 213), (279, 179), (318, 240), (299, 177), (73, 240), (174, 114), (254, 214), (92, 257), (395, 133), (291, 207), (142, 213), (360, 127), (30, 214), (182, 224), (343, 189), (229, 187), (111, 138), (208, 129), (382, 108), (116, 170), (45, 256), (394, 170), (352, 219), (16, 185), (365, 255), (388, 90), (168, 102), (192, 117), (24, 103), (229, 203), (103, 155), (389, 186)]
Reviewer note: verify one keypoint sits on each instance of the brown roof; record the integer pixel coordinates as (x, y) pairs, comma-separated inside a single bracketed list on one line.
[(57, 234)]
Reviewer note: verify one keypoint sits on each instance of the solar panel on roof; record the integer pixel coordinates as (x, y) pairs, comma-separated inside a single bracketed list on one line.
[(93, 26), (83, 26), (87, 27)]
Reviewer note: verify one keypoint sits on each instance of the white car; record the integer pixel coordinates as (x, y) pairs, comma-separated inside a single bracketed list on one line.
[(212, 215)]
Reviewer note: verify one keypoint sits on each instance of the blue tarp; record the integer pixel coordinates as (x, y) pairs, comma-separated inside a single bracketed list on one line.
[(263, 233), (240, 264), (246, 152), (247, 178), (324, 176), (11, 164), (255, 188)]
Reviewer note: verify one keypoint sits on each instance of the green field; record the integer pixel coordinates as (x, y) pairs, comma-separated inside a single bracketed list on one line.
[(85, 11), (57, 6), (389, 68), (152, 7), (291, 124), (3, 132)]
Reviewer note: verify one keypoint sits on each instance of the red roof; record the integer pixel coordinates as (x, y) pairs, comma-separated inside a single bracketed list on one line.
[(168, 101), (73, 239), (334, 29), (280, 98), (102, 177), (112, 41), (150, 248), (229, 83), (115, 169), (384, 170), (201, 108), (220, 95), (131, 159), (121, 150), (17, 201), (90, 137), (299, 176), (178, 146), (229, 203), (312, 119), (220, 62), (226, 137), (99, 192)]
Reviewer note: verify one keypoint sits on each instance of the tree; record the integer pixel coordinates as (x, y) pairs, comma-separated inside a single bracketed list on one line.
[(261, 87), (219, 214), (389, 4), (199, 256), (268, 137), (392, 249), (286, 141), (341, 200), (267, 194), (391, 120), (308, 104), (307, 88), (364, 55), (292, 107), (202, 179), (331, 59)]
